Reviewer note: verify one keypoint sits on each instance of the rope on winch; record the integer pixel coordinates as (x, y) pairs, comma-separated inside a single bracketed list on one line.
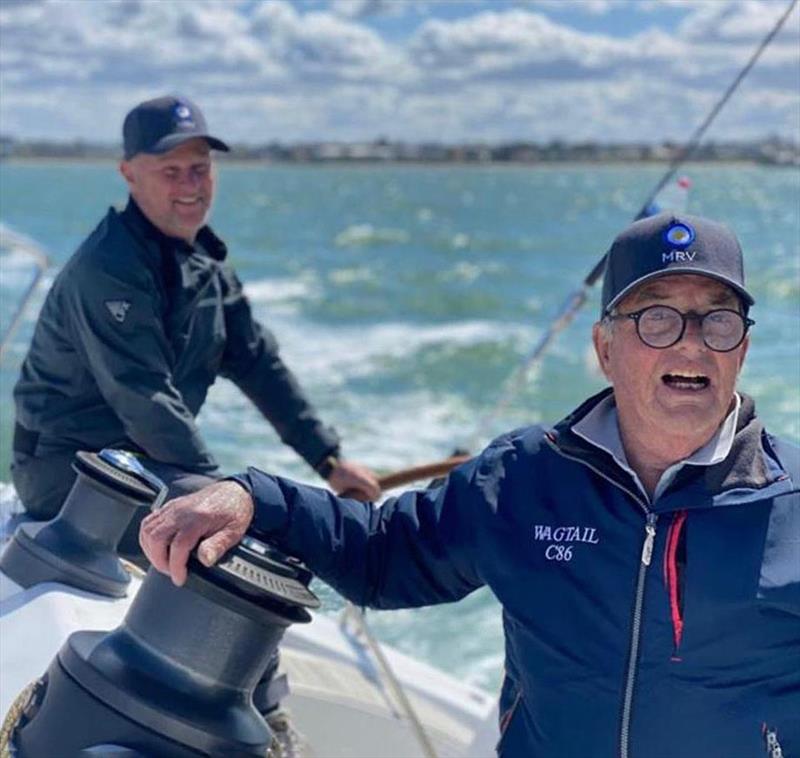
[(14, 716)]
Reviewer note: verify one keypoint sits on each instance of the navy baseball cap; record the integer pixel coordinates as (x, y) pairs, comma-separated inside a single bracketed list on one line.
[(668, 244), (157, 126)]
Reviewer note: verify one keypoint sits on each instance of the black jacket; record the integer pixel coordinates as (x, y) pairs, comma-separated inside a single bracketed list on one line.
[(134, 331)]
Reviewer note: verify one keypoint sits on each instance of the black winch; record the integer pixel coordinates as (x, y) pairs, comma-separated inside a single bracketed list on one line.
[(79, 546), (177, 677)]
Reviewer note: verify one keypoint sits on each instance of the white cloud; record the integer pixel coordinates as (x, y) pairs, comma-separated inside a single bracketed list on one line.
[(742, 21), (277, 70), (356, 9), (502, 43), (593, 7)]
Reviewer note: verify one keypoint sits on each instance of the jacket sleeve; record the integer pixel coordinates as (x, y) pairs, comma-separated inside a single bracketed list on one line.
[(252, 361), (116, 326), (413, 550)]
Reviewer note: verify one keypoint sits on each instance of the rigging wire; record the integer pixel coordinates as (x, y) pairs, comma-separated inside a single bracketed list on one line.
[(11, 241), (578, 297), (694, 141)]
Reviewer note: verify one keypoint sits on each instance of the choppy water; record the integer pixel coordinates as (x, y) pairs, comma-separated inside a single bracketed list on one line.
[(404, 296)]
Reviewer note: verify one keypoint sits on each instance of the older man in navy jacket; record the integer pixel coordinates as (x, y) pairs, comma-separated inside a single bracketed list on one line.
[(645, 550)]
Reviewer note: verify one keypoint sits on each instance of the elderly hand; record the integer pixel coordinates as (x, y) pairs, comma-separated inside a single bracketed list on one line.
[(219, 515), (354, 480)]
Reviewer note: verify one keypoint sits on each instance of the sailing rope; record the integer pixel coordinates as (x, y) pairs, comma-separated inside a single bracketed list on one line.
[(14, 716), (578, 297)]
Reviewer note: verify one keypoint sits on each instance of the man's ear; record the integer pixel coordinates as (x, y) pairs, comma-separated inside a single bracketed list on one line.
[(126, 170), (601, 338)]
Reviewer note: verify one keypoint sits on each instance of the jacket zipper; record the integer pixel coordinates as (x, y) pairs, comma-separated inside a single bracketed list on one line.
[(774, 749), (672, 579), (636, 627)]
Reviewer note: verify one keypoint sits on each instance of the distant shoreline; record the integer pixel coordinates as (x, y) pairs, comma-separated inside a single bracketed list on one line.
[(773, 150), (262, 163)]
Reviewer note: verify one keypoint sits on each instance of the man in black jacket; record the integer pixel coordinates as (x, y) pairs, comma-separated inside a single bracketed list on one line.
[(138, 325)]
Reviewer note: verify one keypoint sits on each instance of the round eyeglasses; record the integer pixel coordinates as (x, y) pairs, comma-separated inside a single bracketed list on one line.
[(662, 326)]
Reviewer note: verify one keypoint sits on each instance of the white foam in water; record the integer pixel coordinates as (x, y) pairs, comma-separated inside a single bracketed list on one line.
[(352, 275), (410, 428), (387, 433), (353, 349), (367, 234), (280, 290), (412, 425)]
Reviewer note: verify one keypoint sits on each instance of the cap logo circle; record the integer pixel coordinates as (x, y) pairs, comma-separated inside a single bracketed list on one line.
[(680, 235), (183, 117)]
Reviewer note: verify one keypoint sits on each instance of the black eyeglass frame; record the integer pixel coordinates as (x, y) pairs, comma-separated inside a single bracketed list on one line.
[(699, 317)]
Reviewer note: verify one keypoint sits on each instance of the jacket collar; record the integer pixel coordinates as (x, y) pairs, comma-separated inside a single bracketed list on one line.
[(747, 470), (207, 241)]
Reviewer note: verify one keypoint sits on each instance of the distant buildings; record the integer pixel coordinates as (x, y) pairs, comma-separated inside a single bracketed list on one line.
[(772, 150)]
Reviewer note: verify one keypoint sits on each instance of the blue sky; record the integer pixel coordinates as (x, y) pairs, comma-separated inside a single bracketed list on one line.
[(416, 70)]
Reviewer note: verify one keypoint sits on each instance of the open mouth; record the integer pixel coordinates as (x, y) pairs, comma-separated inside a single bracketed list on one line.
[(693, 382)]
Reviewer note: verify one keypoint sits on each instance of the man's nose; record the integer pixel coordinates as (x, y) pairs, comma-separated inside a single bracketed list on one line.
[(189, 179), (693, 334)]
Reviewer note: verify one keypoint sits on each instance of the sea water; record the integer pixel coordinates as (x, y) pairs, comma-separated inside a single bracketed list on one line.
[(403, 297)]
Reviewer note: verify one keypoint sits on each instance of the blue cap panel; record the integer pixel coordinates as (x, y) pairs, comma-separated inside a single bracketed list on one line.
[(667, 244)]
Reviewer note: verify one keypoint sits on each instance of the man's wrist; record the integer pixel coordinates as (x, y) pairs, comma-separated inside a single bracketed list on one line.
[(243, 480), (327, 465)]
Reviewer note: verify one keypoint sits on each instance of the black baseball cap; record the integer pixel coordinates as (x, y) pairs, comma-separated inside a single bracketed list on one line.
[(668, 244), (157, 126)]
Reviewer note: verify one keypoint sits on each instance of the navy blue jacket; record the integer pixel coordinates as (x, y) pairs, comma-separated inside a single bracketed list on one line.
[(652, 630)]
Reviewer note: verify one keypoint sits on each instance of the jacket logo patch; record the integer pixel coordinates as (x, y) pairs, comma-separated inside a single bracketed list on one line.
[(118, 309), (561, 539)]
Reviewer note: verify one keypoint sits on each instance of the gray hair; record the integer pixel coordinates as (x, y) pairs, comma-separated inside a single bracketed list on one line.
[(607, 323)]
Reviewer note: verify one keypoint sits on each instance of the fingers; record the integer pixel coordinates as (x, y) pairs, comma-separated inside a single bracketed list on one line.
[(239, 514), (154, 537), (368, 488), (167, 537), (218, 514), (179, 549), (356, 480), (210, 550)]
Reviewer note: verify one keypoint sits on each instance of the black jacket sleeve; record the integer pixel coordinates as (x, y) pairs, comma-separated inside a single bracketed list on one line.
[(252, 361)]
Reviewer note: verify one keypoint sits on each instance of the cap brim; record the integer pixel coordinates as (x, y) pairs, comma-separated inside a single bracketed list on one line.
[(737, 288), (172, 141)]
